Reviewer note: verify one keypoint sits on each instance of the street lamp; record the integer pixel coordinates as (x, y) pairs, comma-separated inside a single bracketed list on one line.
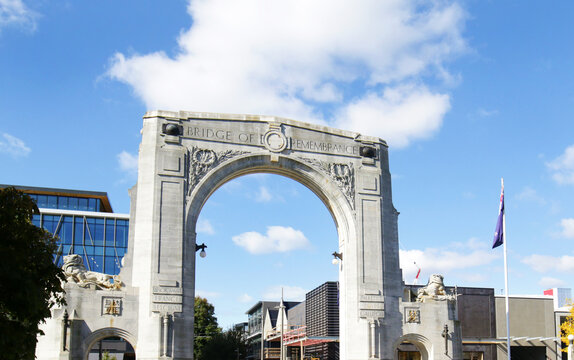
[(337, 257), (201, 247)]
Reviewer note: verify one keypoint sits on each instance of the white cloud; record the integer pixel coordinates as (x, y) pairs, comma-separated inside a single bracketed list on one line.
[(290, 293), (549, 283), (563, 167), (15, 12), (546, 263), (205, 227), (128, 162), (263, 195), (277, 239), (245, 298), (486, 113), (457, 256), (529, 194), (300, 58), (399, 115), (13, 146), (567, 228)]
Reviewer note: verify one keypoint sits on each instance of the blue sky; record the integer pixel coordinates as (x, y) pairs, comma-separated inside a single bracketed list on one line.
[(464, 92)]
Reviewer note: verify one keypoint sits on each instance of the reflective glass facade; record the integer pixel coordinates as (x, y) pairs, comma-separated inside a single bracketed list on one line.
[(66, 202), (101, 241), (84, 224)]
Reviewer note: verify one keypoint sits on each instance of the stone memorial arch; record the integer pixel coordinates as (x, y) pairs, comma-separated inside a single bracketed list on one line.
[(183, 158)]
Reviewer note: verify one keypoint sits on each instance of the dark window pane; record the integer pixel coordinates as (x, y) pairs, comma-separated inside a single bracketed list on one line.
[(92, 204), (111, 267), (121, 236), (98, 262), (83, 204), (52, 202), (99, 250), (36, 220), (110, 251), (73, 203), (110, 228), (79, 230), (90, 225), (63, 202), (98, 232), (65, 232), (90, 263), (42, 201)]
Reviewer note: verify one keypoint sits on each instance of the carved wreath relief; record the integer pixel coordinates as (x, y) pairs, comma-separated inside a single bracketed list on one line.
[(342, 174), (202, 160)]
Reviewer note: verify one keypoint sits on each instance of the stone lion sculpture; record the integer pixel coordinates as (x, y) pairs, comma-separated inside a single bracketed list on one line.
[(76, 272), (434, 290)]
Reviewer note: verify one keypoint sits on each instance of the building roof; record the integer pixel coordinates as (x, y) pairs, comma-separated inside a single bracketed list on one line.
[(102, 196)]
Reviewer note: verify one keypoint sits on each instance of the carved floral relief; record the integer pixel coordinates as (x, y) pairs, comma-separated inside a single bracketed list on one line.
[(200, 161), (342, 174)]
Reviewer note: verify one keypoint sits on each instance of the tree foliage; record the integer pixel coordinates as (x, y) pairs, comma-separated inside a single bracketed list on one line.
[(30, 283), (567, 327), (229, 345), (205, 326)]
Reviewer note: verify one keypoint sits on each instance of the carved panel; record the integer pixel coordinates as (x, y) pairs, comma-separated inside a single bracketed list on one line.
[(342, 174), (111, 306), (200, 161), (412, 316)]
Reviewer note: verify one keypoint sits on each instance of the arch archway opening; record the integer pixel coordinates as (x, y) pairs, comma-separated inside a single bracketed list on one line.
[(408, 351), (278, 234), (274, 231), (110, 348)]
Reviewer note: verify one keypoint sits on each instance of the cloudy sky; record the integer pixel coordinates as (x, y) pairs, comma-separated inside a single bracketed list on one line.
[(464, 92)]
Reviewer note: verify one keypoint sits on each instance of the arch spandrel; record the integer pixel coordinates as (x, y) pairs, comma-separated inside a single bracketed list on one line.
[(294, 168)]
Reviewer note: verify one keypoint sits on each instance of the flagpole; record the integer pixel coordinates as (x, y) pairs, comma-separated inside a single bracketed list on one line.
[(505, 240)]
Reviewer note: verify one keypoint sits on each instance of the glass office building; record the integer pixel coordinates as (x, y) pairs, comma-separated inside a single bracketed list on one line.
[(84, 224)]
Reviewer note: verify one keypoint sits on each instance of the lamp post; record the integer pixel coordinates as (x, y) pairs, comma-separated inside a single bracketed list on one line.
[(201, 247), (570, 347), (66, 322), (337, 257), (445, 336)]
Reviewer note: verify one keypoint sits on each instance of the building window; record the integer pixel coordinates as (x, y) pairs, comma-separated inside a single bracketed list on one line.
[(472, 355)]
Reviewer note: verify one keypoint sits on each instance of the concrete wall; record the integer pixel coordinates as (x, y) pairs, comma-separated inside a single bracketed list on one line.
[(531, 320)]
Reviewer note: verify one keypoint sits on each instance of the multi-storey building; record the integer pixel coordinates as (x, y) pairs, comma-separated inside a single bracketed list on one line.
[(322, 320), (83, 223), (265, 320)]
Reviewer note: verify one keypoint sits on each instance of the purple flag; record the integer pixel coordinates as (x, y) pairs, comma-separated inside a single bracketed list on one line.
[(498, 233)]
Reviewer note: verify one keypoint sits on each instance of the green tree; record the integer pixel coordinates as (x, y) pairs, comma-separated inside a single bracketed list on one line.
[(229, 345), (30, 283), (567, 328), (205, 326)]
